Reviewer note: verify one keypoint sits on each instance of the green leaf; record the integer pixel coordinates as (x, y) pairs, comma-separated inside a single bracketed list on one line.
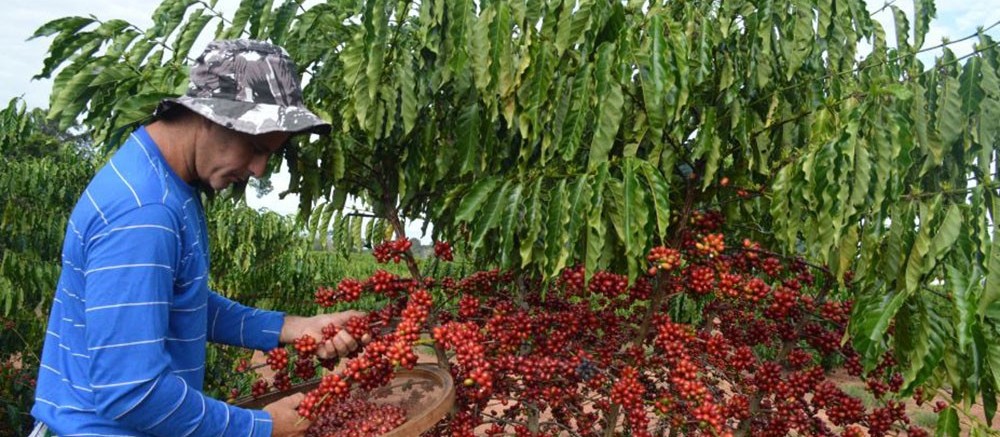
[(924, 12), (556, 232), (279, 26), (69, 100), (189, 33), (926, 343), (991, 290), (609, 108), (139, 107), (578, 115), (902, 28), (509, 226), (596, 227), (969, 87), (868, 325), (168, 16), (950, 123), (532, 222), (407, 91), (946, 235), (916, 263), (459, 12), (947, 424), (964, 300), (579, 200), (636, 217), (655, 78), (356, 224), (481, 50), (659, 191), (473, 201), (491, 213), (714, 148), (61, 25), (992, 358), (989, 400), (573, 22), (468, 141)]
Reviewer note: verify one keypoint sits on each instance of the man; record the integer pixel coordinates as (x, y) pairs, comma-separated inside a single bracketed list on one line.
[(125, 347)]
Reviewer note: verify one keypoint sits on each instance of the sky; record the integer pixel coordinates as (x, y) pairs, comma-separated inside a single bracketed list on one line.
[(23, 59)]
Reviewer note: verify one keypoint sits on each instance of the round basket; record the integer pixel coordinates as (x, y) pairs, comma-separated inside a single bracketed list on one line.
[(426, 392)]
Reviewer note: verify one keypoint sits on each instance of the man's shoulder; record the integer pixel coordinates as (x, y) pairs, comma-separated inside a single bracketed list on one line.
[(135, 175)]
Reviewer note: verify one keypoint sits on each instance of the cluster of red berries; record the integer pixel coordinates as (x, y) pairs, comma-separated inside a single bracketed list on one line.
[(259, 388), (468, 306), (384, 282), (282, 381), (467, 341), (608, 284), (443, 252), (711, 245), (356, 417), (277, 358), (700, 279), (349, 289), (574, 279), (306, 347), (375, 366), (707, 221), (391, 250), (663, 258), (628, 392), (771, 266)]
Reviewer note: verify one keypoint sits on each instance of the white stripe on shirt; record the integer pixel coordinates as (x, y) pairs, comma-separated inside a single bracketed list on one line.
[(131, 227), (128, 266), (200, 337), (189, 370), (68, 407), (171, 412), (134, 343), (119, 384), (143, 398), (188, 310), (120, 305), (97, 208), (134, 194)]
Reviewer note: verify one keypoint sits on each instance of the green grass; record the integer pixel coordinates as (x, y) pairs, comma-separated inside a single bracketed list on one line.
[(925, 419), (858, 391)]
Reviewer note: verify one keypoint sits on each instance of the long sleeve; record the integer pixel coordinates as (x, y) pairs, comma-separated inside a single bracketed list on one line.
[(129, 275), (234, 324)]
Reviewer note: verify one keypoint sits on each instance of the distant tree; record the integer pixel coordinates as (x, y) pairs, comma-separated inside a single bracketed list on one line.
[(43, 171)]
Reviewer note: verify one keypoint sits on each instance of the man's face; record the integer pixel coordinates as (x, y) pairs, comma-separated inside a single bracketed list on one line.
[(227, 157)]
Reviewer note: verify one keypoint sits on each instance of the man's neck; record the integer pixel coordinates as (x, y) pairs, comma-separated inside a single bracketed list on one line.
[(176, 142)]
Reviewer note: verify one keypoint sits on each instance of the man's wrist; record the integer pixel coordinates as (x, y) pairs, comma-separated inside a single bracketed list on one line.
[(290, 329)]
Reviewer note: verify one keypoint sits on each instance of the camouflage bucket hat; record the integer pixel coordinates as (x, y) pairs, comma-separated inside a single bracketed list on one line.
[(248, 86)]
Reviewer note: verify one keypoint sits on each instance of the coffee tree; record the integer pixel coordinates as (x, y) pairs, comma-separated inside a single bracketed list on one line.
[(42, 171), (547, 134)]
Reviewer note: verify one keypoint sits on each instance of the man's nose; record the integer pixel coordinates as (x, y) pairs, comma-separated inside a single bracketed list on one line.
[(258, 165)]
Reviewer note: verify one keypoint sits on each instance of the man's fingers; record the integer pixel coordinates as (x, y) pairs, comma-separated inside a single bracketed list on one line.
[(326, 349), (344, 343)]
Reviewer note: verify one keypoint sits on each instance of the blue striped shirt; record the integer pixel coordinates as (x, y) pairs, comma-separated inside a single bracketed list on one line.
[(124, 350)]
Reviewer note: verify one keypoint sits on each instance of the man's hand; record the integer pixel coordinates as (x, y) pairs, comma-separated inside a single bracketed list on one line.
[(285, 420), (340, 345)]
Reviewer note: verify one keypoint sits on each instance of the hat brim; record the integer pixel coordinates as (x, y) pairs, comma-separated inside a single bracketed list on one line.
[(251, 118)]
